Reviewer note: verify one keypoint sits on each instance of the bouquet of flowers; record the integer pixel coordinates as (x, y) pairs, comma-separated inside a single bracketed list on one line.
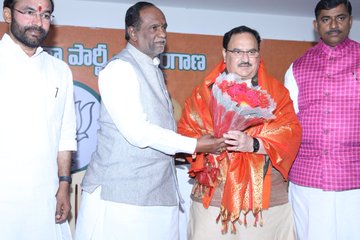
[(237, 105)]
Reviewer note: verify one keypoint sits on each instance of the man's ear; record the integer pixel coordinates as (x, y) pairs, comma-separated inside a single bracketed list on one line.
[(132, 33), (224, 54), (316, 25), (7, 15)]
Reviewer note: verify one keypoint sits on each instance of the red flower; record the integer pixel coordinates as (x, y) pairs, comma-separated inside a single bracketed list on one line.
[(242, 94), (236, 106)]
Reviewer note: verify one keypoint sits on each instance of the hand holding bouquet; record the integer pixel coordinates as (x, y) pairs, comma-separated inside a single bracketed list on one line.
[(237, 105)]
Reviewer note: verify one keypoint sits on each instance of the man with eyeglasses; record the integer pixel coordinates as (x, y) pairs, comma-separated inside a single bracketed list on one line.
[(37, 127), (251, 188), (324, 84)]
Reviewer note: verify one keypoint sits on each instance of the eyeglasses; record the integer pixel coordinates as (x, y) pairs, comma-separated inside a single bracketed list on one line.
[(253, 53), (31, 14)]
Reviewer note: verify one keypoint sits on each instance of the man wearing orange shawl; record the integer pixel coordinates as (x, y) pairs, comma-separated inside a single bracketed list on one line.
[(250, 175)]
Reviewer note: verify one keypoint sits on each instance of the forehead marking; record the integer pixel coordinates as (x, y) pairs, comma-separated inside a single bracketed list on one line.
[(39, 8)]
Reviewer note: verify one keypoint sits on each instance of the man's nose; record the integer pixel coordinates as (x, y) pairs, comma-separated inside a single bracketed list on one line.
[(162, 32), (37, 19), (333, 23)]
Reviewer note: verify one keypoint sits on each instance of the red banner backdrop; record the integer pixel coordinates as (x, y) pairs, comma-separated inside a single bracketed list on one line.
[(85, 49), (187, 60)]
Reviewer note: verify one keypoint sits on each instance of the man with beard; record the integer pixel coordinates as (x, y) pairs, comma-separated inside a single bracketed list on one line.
[(324, 84), (37, 127)]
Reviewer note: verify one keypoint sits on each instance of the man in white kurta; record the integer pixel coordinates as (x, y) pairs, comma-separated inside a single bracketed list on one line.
[(37, 135), (130, 189)]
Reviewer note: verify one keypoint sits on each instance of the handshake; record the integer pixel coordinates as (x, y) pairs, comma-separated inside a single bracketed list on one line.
[(233, 140)]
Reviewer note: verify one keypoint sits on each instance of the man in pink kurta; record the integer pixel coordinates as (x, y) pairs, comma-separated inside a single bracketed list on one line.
[(325, 84)]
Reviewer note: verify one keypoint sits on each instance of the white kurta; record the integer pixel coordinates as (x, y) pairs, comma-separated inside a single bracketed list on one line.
[(132, 125), (98, 219), (37, 120)]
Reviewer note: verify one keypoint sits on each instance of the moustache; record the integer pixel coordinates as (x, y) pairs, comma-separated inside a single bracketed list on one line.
[(35, 28), (337, 31), (244, 64), (162, 42)]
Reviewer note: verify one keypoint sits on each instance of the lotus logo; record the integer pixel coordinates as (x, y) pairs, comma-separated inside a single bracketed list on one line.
[(84, 118), (87, 106)]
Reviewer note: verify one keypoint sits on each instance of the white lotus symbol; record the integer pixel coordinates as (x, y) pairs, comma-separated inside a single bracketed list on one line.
[(84, 116)]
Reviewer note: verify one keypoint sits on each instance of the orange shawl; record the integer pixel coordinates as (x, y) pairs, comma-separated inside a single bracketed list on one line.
[(245, 188)]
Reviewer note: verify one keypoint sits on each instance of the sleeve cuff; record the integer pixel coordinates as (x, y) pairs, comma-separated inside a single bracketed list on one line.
[(68, 145)]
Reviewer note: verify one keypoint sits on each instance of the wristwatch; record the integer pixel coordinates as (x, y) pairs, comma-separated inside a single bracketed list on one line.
[(256, 145), (65, 179)]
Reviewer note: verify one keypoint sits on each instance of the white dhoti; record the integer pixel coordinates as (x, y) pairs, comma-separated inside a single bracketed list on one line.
[(99, 220), (326, 215), (31, 220), (278, 224), (185, 184)]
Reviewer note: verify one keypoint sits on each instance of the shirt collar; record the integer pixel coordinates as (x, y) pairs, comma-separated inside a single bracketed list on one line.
[(10, 44), (337, 49), (140, 55)]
